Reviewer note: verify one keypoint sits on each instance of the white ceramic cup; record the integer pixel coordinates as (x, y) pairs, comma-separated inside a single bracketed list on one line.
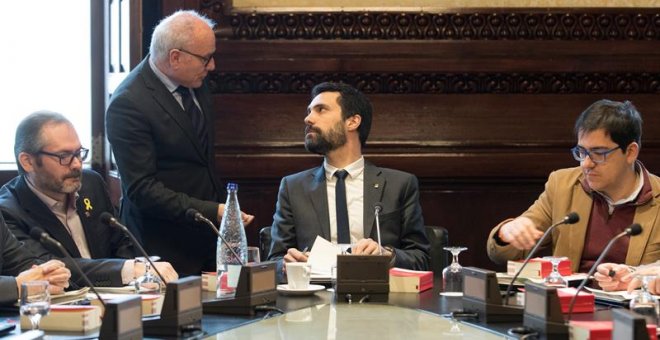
[(298, 274)]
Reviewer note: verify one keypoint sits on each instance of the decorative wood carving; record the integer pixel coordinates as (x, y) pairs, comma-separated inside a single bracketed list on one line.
[(442, 83), (487, 24)]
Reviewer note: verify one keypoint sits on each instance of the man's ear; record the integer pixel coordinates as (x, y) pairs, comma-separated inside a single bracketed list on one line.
[(632, 152), (27, 161), (353, 122)]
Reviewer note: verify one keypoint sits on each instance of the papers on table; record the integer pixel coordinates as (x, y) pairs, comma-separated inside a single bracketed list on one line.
[(505, 279), (323, 257)]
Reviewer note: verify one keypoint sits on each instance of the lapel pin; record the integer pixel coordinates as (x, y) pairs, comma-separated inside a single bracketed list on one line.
[(376, 185)]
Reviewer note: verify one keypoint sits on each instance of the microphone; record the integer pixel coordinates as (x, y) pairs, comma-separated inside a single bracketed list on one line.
[(633, 230), (43, 237), (196, 216), (571, 218), (377, 209), (111, 221)]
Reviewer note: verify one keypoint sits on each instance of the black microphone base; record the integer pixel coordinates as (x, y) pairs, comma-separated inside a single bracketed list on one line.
[(185, 323), (547, 330), (493, 313), (243, 305)]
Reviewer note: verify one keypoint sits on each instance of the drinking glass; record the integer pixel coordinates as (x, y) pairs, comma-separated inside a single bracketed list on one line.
[(452, 276), (555, 279), (148, 283), (35, 301), (253, 255), (644, 302)]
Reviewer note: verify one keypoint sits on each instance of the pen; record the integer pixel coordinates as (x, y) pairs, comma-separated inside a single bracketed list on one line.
[(305, 251)]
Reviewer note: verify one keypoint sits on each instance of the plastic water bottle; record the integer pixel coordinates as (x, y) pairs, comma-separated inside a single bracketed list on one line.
[(231, 228)]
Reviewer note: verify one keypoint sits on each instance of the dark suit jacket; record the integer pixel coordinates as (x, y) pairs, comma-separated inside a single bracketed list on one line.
[(302, 214), (23, 210), (164, 170), (13, 261)]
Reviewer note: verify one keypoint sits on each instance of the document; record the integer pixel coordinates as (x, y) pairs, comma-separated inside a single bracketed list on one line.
[(323, 257)]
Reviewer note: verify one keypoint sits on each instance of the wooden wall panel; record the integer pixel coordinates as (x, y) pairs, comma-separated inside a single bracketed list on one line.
[(479, 104)]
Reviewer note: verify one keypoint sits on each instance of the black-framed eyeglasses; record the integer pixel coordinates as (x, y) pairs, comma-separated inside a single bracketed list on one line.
[(596, 156), (66, 158), (203, 59)]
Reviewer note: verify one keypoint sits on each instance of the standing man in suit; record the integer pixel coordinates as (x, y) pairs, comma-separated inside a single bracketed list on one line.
[(160, 125), (337, 126), (54, 193), (610, 190)]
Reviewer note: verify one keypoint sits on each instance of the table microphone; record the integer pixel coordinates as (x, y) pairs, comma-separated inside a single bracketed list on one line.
[(196, 216), (377, 209), (633, 230), (571, 218), (43, 237), (110, 220)]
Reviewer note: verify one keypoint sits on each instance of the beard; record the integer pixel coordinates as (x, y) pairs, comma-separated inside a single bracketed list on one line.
[(321, 143), (61, 186)]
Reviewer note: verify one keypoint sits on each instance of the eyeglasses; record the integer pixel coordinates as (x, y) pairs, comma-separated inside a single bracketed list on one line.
[(66, 158), (204, 60), (596, 156)]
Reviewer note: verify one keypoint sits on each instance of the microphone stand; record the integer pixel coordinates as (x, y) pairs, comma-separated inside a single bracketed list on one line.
[(567, 219), (633, 230)]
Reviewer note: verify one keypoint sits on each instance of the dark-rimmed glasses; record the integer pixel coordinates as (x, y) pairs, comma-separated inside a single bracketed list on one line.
[(204, 60), (66, 158), (596, 156)]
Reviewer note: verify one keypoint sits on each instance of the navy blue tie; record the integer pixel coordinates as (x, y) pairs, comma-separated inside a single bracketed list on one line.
[(195, 114), (343, 230)]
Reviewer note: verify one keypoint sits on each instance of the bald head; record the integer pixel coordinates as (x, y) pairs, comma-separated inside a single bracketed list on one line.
[(179, 30)]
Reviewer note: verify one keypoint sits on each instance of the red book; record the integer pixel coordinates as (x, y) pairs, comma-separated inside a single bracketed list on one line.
[(538, 268), (584, 303), (598, 330), (410, 281)]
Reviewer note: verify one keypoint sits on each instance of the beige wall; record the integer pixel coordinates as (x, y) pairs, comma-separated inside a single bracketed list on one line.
[(426, 5)]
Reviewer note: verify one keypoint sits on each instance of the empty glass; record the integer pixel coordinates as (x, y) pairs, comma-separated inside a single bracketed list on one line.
[(148, 283), (644, 302), (555, 279), (35, 301), (452, 276)]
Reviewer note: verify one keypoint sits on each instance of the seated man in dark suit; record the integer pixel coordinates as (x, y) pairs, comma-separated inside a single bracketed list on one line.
[(18, 266), (340, 208), (54, 193)]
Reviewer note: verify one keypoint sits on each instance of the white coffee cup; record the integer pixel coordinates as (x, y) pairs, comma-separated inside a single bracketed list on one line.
[(298, 274)]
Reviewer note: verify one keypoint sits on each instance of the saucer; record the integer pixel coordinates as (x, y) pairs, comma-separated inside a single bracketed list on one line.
[(285, 290)]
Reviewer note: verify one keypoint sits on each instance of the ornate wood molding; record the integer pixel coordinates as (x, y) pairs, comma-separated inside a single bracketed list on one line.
[(484, 24), (442, 83)]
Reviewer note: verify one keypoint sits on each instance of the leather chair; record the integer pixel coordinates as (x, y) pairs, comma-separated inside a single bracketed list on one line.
[(264, 242), (438, 238)]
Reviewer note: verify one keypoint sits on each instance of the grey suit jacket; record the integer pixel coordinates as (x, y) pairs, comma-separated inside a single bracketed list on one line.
[(302, 214), (164, 170)]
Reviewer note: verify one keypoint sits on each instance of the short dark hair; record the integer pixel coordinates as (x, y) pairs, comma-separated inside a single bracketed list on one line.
[(352, 102), (28, 133), (620, 120)]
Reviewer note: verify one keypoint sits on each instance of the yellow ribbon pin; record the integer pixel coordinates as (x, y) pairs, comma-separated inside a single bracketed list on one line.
[(88, 204)]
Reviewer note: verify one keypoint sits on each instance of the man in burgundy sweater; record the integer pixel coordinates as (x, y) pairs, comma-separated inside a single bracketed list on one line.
[(610, 190)]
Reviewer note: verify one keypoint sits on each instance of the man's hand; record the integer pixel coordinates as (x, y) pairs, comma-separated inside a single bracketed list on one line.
[(247, 219), (635, 282), (521, 233), (165, 269), (612, 276), (295, 255), (367, 246), (52, 271)]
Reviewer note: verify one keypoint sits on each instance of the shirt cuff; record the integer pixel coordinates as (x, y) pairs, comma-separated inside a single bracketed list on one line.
[(128, 272)]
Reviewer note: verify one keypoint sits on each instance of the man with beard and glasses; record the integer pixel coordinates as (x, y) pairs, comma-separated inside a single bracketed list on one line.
[(610, 190), (336, 200), (53, 192)]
